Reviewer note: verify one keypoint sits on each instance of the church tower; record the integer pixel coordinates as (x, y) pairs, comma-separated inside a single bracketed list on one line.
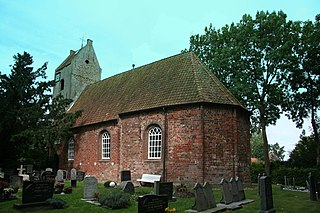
[(80, 69)]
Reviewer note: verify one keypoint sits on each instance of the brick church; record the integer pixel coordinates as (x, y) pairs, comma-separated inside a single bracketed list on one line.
[(172, 117)]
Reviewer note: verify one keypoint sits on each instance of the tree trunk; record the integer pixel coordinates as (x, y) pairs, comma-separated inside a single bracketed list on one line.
[(316, 134), (265, 149)]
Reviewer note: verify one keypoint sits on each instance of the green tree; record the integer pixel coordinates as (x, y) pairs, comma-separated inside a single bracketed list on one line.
[(251, 59), (30, 120), (304, 154), (256, 143), (304, 81), (277, 152)]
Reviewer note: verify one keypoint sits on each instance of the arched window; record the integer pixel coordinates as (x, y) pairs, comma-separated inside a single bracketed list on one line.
[(71, 149), (105, 144), (154, 143)]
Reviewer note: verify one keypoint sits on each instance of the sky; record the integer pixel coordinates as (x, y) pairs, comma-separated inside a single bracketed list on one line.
[(128, 32)]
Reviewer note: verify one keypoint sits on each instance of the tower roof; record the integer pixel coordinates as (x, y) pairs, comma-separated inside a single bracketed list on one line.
[(176, 80)]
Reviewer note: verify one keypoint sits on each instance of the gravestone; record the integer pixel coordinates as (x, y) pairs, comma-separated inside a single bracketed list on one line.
[(266, 200), (80, 175), (1, 174), (29, 169), (125, 175), (242, 195), (312, 187), (15, 181), (90, 189), (226, 192), (234, 190), (49, 170), (152, 203), (201, 202), (207, 188), (47, 176), (21, 169), (35, 193), (73, 177), (36, 176), (128, 187), (164, 188), (60, 176)]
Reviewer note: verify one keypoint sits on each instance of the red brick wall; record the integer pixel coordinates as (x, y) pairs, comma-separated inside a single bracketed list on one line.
[(204, 143)]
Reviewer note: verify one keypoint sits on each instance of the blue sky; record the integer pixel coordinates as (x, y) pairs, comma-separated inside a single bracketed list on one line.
[(128, 32)]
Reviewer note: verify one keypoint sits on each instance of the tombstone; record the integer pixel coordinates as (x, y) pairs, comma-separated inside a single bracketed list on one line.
[(128, 187), (35, 193), (259, 175), (164, 188), (73, 178), (152, 203), (201, 202), (21, 169), (36, 176), (234, 190), (242, 195), (49, 170), (312, 187), (266, 200), (29, 169), (1, 174), (90, 188), (226, 192), (15, 181), (125, 175), (207, 188), (80, 175), (47, 176), (60, 176)]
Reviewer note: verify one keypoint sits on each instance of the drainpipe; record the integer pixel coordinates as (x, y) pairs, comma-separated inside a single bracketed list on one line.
[(203, 143), (164, 176)]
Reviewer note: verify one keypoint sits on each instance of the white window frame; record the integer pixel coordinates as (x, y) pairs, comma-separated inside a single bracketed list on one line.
[(154, 143), (71, 149), (105, 146)]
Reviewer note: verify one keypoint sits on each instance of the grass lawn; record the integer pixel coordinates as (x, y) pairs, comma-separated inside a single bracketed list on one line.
[(284, 201)]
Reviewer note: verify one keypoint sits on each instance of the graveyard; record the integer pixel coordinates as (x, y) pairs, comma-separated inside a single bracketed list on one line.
[(283, 200)]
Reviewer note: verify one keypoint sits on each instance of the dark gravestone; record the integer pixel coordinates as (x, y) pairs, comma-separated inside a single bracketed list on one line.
[(207, 188), (242, 195), (47, 176), (35, 192), (36, 176), (234, 190), (226, 192), (15, 181), (201, 202), (125, 175), (80, 175), (266, 200), (29, 169), (128, 187), (312, 187), (90, 189), (164, 188), (73, 177), (152, 203)]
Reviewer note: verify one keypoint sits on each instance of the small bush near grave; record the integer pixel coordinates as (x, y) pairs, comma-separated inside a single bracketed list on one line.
[(182, 191), (57, 203), (115, 199)]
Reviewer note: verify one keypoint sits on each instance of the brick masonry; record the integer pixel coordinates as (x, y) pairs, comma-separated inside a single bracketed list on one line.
[(200, 142)]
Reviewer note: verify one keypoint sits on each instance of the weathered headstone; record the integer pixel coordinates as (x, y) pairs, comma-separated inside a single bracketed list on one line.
[(125, 175), (36, 176), (201, 202), (312, 187), (234, 190), (49, 170), (47, 176), (1, 174), (60, 176), (164, 188), (21, 169), (152, 203), (226, 192), (207, 188), (242, 195), (90, 189), (266, 200), (35, 193), (15, 181), (73, 177), (29, 169), (80, 175), (128, 187)]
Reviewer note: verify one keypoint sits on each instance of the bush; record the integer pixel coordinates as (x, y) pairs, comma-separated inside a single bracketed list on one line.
[(115, 199), (256, 169), (57, 203)]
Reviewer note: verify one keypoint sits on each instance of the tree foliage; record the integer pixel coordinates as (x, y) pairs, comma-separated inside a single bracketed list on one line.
[(31, 121), (251, 59)]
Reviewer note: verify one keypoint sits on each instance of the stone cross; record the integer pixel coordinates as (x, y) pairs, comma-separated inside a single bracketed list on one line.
[(21, 169)]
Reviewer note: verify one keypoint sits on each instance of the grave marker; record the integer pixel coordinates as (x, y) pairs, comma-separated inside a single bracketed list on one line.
[(152, 203), (207, 188), (266, 200), (125, 175), (201, 202), (29, 169), (226, 193), (15, 181), (234, 190), (90, 189), (80, 175), (242, 195), (164, 188), (73, 177), (128, 187), (60, 176)]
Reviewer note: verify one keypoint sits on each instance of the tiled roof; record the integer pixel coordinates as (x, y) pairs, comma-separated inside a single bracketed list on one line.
[(180, 79)]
